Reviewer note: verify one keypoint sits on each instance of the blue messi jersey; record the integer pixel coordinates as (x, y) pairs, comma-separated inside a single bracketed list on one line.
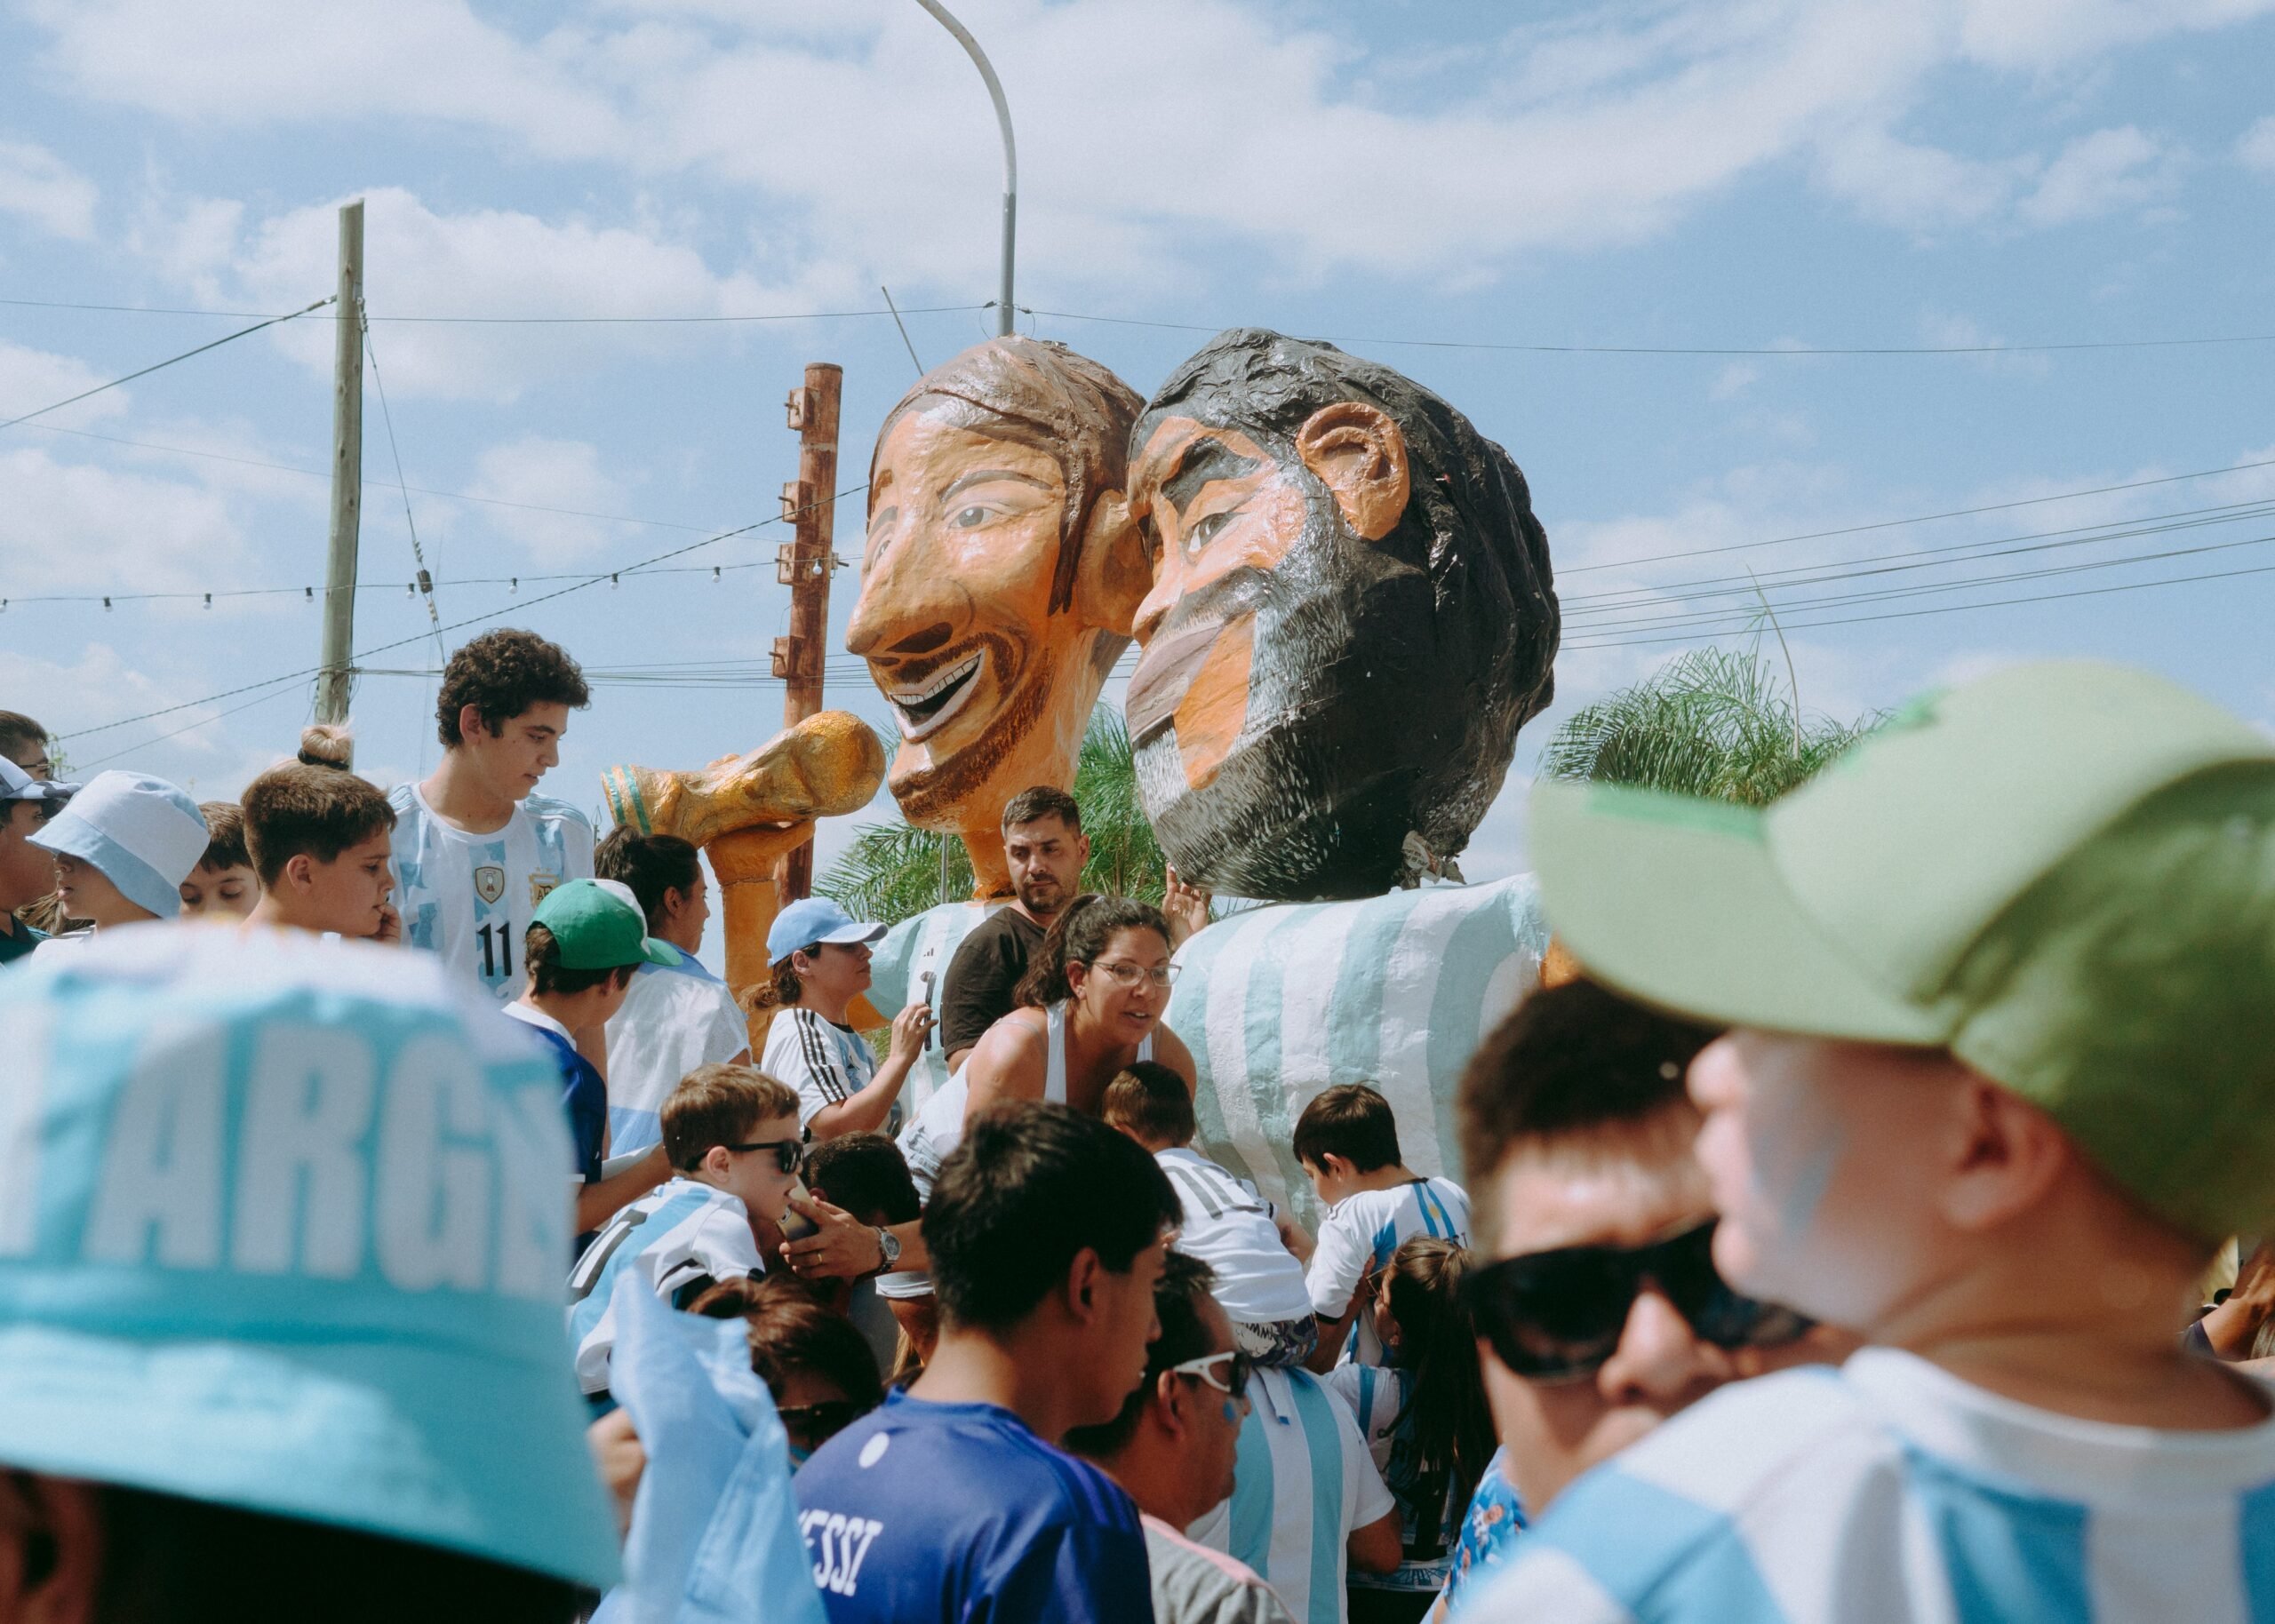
[(959, 1513), (469, 896), (1891, 1491)]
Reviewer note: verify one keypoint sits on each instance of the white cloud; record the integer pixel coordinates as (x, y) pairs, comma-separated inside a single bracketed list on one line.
[(1947, 330), (2040, 35), (205, 749), (1734, 380), (2256, 147), (866, 135), (32, 378), (42, 188), (552, 473), (1915, 187), (81, 526), (2100, 173), (482, 261)]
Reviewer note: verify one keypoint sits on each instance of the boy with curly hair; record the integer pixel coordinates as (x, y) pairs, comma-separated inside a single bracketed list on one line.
[(474, 851)]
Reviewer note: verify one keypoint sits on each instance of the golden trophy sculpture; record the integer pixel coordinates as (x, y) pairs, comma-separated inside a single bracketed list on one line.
[(746, 811)]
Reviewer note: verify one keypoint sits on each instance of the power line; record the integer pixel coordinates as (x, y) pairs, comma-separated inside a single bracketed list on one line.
[(1657, 595), (520, 321), (157, 366), (1947, 608), (1956, 513), (1698, 349), (417, 555), (2053, 346), (593, 580), (424, 490)]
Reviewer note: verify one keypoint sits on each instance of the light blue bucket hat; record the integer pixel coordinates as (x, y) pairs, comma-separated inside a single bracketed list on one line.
[(144, 834), (283, 1226)]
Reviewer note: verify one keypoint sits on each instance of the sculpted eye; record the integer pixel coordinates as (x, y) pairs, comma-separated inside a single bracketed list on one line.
[(969, 518), (1206, 530)]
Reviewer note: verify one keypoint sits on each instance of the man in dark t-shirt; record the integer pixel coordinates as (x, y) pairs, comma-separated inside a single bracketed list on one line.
[(1045, 846)]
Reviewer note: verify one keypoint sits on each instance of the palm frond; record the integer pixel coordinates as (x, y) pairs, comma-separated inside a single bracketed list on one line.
[(891, 872), (1711, 722)]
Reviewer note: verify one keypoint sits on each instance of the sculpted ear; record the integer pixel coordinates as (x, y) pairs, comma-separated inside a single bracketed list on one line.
[(1115, 573), (1359, 454)]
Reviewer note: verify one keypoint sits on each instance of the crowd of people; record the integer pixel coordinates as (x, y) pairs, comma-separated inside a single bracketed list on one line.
[(1844, 1240)]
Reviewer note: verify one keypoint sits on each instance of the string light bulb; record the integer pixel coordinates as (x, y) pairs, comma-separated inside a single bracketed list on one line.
[(209, 600), (106, 603)]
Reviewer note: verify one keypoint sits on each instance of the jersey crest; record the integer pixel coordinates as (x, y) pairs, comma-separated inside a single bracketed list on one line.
[(489, 882), (541, 883)]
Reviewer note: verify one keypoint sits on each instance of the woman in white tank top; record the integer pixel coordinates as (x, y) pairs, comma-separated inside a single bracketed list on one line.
[(1093, 1004)]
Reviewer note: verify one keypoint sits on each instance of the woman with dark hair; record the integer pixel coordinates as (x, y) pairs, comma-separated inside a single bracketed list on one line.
[(1091, 1005), (1424, 1419), (816, 1363)]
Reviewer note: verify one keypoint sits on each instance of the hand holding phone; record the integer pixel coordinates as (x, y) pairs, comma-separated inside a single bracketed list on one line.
[(795, 1225)]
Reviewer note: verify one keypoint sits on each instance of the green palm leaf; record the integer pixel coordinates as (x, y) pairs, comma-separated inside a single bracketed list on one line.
[(891, 872), (1711, 722)]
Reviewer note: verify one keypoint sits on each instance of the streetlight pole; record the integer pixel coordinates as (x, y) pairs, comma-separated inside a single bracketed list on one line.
[(1004, 307)]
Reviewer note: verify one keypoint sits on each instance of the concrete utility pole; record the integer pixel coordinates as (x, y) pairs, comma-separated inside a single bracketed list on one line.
[(336, 678), (1004, 306), (803, 564)]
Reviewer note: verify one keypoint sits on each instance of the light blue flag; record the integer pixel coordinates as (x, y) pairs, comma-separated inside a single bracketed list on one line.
[(715, 1526)]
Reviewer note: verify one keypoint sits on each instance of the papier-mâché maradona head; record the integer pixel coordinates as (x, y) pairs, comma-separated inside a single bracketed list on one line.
[(1351, 613), (999, 579)]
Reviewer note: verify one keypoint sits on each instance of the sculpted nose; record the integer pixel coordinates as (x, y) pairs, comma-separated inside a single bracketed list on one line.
[(923, 642)]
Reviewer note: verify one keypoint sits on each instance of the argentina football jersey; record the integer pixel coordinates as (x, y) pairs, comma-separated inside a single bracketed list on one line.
[(469, 897)]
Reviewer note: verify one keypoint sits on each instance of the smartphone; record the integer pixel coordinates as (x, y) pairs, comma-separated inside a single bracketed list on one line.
[(927, 979), (796, 1225)]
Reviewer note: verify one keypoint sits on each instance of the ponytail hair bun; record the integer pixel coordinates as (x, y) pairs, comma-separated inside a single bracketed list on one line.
[(325, 744)]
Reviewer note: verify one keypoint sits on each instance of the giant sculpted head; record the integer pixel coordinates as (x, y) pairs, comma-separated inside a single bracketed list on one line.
[(1351, 616), (999, 579)]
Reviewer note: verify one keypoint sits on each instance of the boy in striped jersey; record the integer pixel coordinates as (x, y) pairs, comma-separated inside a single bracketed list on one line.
[(1346, 1142), (2001, 1075), (733, 1134)]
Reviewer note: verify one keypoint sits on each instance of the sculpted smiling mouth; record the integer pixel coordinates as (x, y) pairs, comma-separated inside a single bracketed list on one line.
[(924, 708)]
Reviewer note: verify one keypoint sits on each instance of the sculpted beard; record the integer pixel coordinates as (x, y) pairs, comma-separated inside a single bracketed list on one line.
[(1334, 741), (1028, 677)]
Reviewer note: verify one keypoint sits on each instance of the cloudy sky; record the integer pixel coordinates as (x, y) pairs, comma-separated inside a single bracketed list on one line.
[(1621, 238)]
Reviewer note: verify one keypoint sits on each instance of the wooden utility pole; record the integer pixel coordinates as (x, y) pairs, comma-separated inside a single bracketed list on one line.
[(336, 678), (803, 565)]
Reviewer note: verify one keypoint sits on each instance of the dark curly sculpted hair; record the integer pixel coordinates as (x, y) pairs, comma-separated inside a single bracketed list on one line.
[(502, 675)]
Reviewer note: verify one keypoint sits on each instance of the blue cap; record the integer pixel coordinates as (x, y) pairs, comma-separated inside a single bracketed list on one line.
[(817, 918), (17, 784), (283, 1224), (141, 833)]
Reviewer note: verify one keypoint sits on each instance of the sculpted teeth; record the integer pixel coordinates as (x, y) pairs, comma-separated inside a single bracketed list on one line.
[(939, 684), (958, 678)]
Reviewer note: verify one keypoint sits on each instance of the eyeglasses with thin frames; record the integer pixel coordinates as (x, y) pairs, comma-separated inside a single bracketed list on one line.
[(1127, 975)]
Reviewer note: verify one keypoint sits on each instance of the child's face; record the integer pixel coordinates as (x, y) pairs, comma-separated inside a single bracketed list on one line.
[(756, 1176), (349, 893), (1824, 1158), (88, 894), (1386, 1330), (220, 893), (1333, 1181)]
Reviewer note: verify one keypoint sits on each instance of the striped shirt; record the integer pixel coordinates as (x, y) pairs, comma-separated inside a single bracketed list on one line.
[(1304, 1480), (469, 896), (1229, 1228), (1362, 1233), (1279, 1003), (1889, 1489), (1429, 1515), (825, 1062), (675, 1019), (682, 1234)]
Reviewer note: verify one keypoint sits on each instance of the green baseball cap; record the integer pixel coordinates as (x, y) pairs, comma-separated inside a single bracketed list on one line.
[(598, 926), (2063, 873)]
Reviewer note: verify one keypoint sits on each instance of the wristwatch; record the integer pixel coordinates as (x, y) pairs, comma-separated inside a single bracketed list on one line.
[(887, 1249)]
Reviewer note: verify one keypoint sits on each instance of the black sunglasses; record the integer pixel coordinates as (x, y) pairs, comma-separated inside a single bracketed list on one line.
[(789, 1154), (812, 1425), (1557, 1316)]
